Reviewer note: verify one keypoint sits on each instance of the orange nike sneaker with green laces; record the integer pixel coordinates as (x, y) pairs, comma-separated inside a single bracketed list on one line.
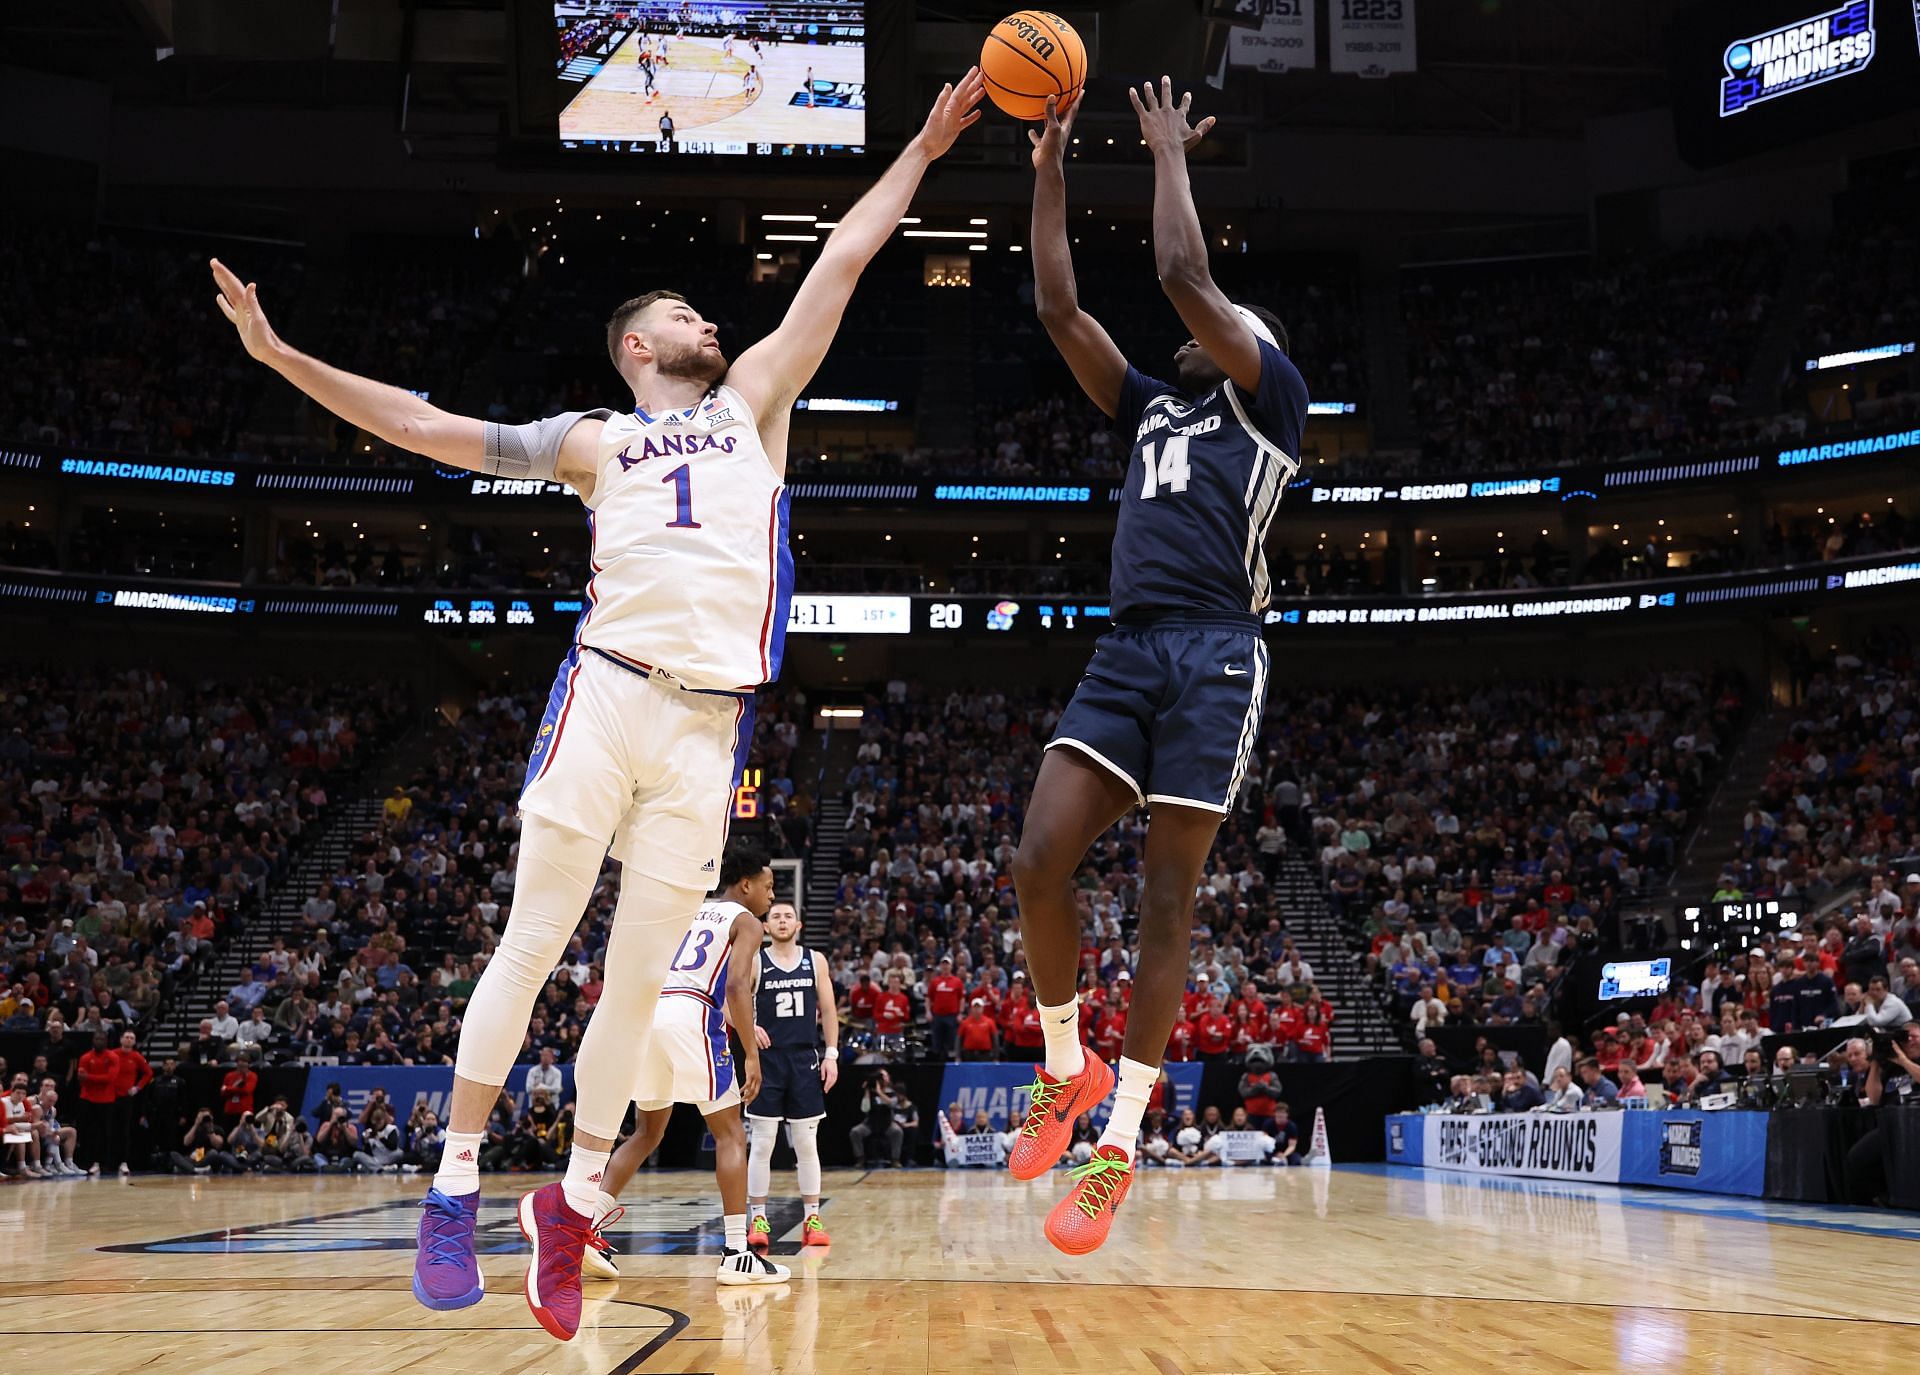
[(814, 1232), (1052, 1106), (1079, 1223)]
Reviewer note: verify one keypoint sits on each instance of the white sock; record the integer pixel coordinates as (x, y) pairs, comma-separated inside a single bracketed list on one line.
[(756, 1210), (459, 1171), (1129, 1105), (603, 1206), (1061, 1026), (582, 1184), (736, 1224)]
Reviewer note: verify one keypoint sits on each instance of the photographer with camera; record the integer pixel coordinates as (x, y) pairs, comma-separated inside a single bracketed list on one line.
[(1891, 1066), (203, 1148), (878, 1102), (336, 1141)]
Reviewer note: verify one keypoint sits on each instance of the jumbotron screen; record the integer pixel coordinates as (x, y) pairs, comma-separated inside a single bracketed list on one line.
[(782, 78)]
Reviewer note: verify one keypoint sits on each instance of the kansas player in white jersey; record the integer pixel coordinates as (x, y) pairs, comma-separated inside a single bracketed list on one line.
[(1169, 709), (651, 707), (709, 989)]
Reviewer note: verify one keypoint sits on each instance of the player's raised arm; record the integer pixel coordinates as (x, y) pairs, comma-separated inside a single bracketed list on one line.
[(771, 373), (1179, 246), (829, 1021), (393, 413), (1096, 363)]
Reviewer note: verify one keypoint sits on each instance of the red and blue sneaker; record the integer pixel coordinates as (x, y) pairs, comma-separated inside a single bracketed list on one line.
[(559, 1237), (445, 1273)]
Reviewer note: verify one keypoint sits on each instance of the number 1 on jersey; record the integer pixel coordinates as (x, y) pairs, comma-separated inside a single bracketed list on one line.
[(1169, 471), (682, 480)]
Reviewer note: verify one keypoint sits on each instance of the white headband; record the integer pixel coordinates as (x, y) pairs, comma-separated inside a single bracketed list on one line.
[(1257, 325)]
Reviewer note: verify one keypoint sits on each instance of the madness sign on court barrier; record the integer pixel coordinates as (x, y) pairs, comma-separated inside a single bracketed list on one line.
[(1370, 37), (1284, 40), (1580, 1145)]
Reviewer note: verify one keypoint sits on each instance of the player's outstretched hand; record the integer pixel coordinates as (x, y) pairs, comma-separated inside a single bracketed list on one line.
[(954, 109), (1163, 124), (829, 1072), (1050, 142), (241, 305)]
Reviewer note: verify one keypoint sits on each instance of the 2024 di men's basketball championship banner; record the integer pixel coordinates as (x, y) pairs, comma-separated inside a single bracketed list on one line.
[(1707, 1152)]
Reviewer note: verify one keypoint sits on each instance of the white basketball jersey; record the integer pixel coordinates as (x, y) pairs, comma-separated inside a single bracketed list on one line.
[(691, 572), (699, 966)]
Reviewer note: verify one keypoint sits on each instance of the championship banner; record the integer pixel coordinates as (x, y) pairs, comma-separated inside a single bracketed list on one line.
[(1243, 1147), (1001, 1088), (1371, 37), (407, 1085), (1284, 42), (1544, 1145)]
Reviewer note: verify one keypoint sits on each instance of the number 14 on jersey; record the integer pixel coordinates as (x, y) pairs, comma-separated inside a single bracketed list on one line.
[(1165, 466)]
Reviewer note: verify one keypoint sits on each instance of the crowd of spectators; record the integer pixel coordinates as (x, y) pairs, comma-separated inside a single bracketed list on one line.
[(1585, 361), (142, 819), (1839, 799), (1472, 839)]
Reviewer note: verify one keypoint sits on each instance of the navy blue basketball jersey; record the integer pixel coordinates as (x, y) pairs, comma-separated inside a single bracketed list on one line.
[(787, 1004), (1201, 488)]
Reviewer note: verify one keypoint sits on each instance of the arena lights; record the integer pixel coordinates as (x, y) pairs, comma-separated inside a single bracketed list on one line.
[(940, 233), (844, 713), (1876, 354), (790, 219), (792, 238)]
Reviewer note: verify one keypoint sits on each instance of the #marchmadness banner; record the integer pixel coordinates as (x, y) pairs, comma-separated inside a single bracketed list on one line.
[(407, 1085), (1707, 1152), (1001, 1088)]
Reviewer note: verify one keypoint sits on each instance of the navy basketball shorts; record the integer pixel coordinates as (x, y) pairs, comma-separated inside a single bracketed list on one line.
[(789, 1085), (1172, 707)]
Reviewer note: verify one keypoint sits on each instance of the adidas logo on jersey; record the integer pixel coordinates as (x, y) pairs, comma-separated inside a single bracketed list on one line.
[(707, 868)]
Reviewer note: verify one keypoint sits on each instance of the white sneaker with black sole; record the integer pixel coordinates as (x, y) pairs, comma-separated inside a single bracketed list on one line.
[(749, 1267)]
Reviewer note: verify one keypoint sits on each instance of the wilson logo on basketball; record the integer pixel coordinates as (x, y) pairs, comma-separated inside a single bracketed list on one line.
[(1031, 35)]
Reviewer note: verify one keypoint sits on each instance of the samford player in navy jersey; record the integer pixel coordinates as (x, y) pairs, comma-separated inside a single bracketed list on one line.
[(1170, 707), (794, 1011)]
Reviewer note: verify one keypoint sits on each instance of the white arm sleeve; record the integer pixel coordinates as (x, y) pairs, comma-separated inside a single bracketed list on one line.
[(530, 450)]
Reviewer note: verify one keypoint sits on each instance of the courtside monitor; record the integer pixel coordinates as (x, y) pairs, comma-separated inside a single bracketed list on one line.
[(783, 78), (1635, 978)]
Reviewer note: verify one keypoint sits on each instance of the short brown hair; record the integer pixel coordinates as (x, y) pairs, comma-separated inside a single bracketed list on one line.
[(624, 317)]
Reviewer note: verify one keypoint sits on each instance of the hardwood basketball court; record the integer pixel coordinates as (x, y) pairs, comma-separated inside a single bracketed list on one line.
[(1211, 1272)]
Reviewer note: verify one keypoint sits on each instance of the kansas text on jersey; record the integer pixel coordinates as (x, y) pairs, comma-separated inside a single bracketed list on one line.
[(691, 571), (1201, 488)]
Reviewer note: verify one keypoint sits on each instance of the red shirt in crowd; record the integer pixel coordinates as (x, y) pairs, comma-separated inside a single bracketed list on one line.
[(1111, 1034), (1022, 1025), (134, 1073), (1194, 1001), (862, 998), (1286, 1023), (891, 1012), (99, 1076), (1313, 1039), (976, 1031), (1214, 1033), (944, 992), (1180, 1040), (236, 1091)]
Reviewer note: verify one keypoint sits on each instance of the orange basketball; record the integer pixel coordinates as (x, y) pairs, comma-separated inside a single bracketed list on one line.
[(1029, 56)]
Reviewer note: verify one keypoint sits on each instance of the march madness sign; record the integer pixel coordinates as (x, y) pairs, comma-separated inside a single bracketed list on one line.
[(1546, 1145)]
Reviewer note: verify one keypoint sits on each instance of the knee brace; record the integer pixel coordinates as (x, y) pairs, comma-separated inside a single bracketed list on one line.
[(762, 1132), (806, 1151)]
